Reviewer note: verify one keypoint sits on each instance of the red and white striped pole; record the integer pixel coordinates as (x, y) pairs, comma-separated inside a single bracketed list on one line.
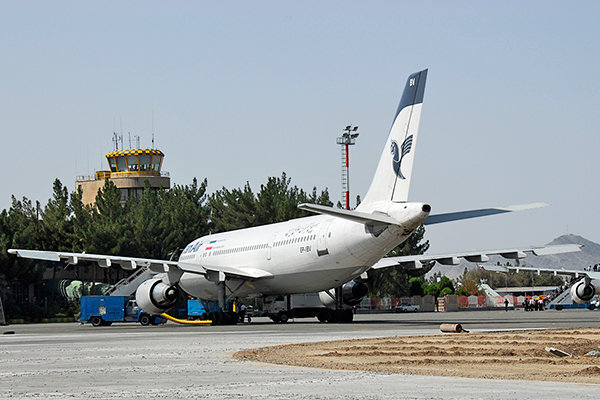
[(348, 138)]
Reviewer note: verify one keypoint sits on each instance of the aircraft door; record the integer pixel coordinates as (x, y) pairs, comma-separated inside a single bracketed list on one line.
[(270, 246), (322, 238)]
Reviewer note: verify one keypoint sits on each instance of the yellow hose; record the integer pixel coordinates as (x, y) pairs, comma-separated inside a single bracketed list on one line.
[(185, 321)]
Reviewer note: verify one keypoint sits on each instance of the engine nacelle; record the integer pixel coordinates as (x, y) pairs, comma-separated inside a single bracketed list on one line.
[(154, 296), (352, 293), (582, 292)]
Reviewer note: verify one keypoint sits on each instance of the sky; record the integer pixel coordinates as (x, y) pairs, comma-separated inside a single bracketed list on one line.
[(239, 91)]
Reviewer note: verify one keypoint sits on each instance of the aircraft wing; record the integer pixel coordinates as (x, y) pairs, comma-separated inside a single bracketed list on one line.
[(414, 262), (576, 273), (105, 261), (131, 263)]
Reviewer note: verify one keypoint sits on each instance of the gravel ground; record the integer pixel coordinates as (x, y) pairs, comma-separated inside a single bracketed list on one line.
[(174, 362)]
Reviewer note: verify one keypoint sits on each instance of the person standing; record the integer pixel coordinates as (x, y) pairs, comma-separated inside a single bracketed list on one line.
[(242, 313), (505, 304)]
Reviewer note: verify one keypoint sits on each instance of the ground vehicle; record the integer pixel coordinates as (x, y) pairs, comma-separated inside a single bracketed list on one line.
[(307, 305), (208, 310), (104, 310), (405, 307), (590, 306), (199, 309)]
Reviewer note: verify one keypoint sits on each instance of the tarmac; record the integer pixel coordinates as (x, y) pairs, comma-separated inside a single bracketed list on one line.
[(69, 360)]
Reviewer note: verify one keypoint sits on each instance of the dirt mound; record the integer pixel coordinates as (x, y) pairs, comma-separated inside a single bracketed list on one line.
[(505, 355)]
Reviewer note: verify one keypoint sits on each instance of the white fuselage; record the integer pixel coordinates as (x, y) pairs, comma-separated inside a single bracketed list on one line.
[(304, 255)]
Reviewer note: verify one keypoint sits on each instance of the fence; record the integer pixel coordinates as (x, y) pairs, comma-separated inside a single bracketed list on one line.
[(446, 303)]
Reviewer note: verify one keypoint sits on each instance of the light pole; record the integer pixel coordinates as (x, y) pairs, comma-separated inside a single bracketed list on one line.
[(348, 138)]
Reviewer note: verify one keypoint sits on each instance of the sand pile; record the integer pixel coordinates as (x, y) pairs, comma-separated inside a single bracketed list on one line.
[(505, 355)]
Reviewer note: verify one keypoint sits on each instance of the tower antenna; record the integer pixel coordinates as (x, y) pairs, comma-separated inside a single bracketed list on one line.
[(121, 131), (347, 139), (152, 123)]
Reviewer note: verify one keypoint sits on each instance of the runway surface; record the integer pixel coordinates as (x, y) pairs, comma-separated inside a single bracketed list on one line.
[(174, 361)]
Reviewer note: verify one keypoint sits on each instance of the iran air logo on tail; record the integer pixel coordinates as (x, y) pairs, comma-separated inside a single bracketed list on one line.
[(399, 153)]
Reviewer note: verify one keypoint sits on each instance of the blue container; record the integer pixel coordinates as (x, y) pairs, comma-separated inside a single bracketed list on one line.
[(196, 308), (109, 308)]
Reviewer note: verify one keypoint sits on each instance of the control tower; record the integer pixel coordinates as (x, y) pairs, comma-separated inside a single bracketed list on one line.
[(129, 170)]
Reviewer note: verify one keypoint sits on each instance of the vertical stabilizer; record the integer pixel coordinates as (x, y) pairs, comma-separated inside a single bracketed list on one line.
[(392, 178)]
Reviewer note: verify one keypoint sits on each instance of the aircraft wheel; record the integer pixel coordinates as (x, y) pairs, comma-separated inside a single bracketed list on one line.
[(96, 321), (323, 316), (592, 307), (558, 307), (347, 316), (334, 316), (145, 319)]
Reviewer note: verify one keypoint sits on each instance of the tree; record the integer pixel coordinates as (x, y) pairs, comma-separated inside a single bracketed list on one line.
[(415, 286), (432, 289), (233, 209), (395, 281), (445, 283), (276, 201)]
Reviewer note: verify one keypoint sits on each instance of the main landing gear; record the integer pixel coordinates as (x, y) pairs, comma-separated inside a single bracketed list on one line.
[(329, 315), (226, 315)]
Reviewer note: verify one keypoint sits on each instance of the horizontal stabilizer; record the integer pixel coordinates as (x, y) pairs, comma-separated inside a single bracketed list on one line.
[(356, 216), (412, 262), (456, 216)]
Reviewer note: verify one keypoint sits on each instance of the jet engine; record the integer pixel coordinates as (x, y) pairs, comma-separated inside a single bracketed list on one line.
[(352, 294), (155, 297), (582, 291)]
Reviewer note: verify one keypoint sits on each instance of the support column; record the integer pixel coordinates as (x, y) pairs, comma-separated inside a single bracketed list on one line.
[(339, 298)]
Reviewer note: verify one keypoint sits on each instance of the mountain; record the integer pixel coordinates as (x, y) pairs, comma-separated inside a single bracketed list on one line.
[(589, 255)]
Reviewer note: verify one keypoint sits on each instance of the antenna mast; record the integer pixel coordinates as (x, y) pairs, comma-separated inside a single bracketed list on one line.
[(347, 139), (152, 124)]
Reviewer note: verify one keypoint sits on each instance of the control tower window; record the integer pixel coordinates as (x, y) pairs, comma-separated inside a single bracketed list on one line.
[(132, 163), (156, 161), (145, 162), (113, 164), (121, 164)]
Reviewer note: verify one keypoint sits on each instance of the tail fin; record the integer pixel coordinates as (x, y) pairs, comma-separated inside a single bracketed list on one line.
[(392, 178)]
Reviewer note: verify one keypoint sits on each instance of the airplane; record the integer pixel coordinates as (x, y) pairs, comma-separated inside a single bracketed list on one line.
[(333, 249), (582, 291)]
